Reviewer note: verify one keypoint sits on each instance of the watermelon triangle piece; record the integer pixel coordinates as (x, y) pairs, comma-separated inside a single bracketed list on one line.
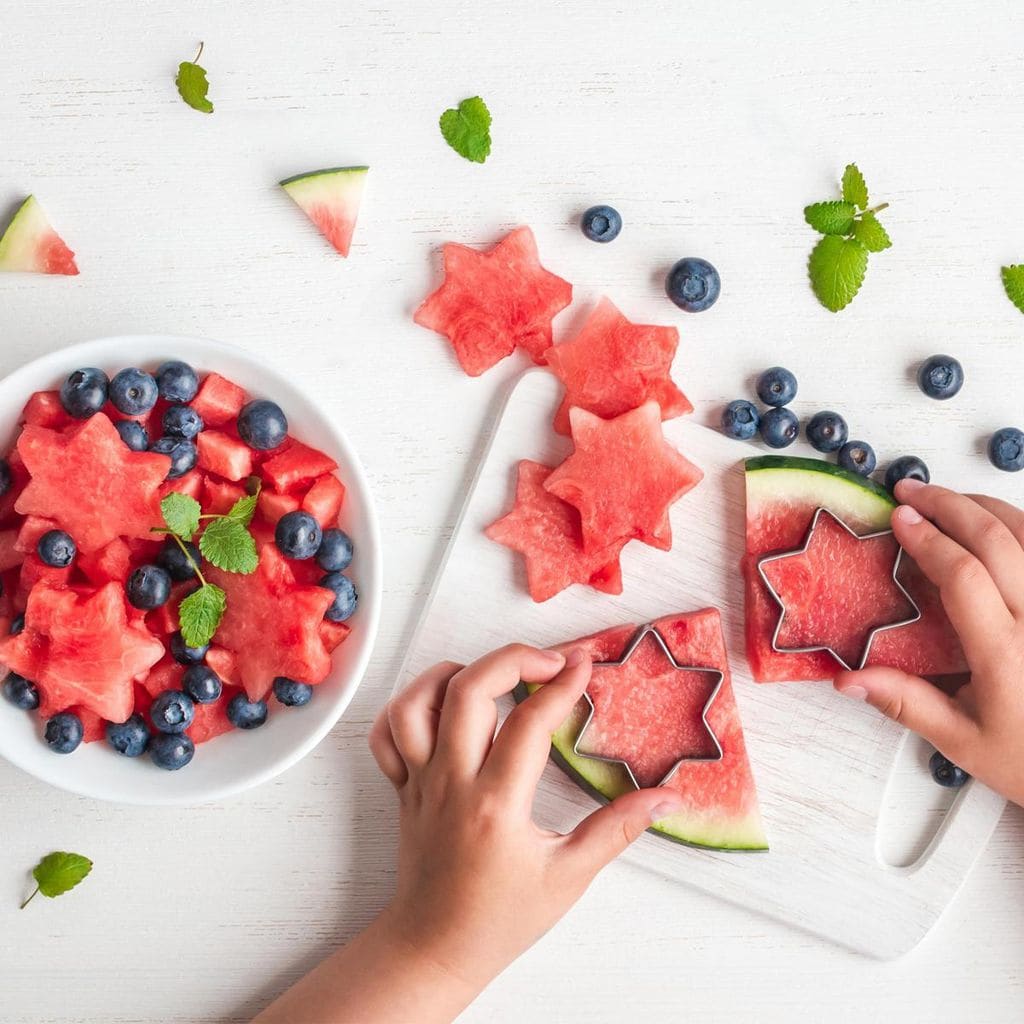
[(330, 199), (31, 245)]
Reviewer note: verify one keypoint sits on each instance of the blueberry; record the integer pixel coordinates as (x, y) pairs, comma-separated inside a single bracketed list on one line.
[(176, 381), (827, 431), (20, 692), (133, 391), (262, 425), (17, 624), (171, 751), (56, 549), (182, 653), (172, 711), (945, 773), (904, 468), (776, 386), (1006, 449), (940, 377), (182, 453), (181, 421), (858, 457), (292, 694), (64, 732), (134, 434), (693, 284), (298, 535), (202, 684), (246, 714), (148, 587), (84, 393), (779, 428), (740, 419), (335, 551), (601, 223), (130, 738), (5, 477), (175, 562), (345, 596)]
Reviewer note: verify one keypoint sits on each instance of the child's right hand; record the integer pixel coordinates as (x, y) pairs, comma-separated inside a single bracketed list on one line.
[(972, 549)]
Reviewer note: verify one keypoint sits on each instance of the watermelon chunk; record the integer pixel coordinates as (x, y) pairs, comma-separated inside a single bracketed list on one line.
[(334, 634), (224, 663), (296, 467), (165, 675), (191, 484), (32, 528), (272, 505), (219, 496), (43, 409), (30, 244), (211, 720), (224, 455), (112, 562), (34, 570), (331, 200), (492, 301), (218, 400), (11, 556), (324, 500)]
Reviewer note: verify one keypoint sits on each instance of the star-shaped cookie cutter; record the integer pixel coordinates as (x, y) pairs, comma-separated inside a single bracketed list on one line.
[(641, 634), (897, 562)]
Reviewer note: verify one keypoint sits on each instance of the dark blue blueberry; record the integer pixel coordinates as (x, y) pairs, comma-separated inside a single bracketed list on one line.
[(1006, 450), (181, 421), (906, 467), (182, 453), (740, 419), (246, 714), (134, 434), (345, 596), (262, 425), (20, 692), (17, 623), (858, 457), (172, 711), (292, 694), (827, 431), (176, 563), (779, 428), (183, 654), (693, 284), (5, 477), (171, 751), (776, 386), (84, 393), (176, 381), (148, 587), (601, 223), (298, 535), (133, 391), (64, 732), (335, 551), (945, 773), (202, 684), (130, 738), (940, 377), (56, 549)]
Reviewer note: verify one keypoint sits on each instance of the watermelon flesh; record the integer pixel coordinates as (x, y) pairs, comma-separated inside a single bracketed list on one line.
[(330, 199), (30, 244)]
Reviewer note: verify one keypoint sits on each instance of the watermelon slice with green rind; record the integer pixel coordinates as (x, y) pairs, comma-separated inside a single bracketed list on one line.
[(330, 199), (30, 244)]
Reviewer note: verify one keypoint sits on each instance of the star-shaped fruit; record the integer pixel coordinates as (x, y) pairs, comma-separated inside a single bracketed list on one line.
[(546, 531), (492, 301), (623, 477), (613, 365), (819, 610), (90, 482)]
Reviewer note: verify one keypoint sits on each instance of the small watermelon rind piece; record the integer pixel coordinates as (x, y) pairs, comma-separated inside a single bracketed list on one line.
[(330, 198), (31, 245)]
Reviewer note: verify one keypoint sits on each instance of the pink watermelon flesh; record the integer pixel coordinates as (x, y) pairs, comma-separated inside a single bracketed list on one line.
[(211, 720), (218, 400), (219, 495), (224, 455), (11, 556), (43, 409), (324, 500), (296, 467), (272, 505), (331, 200), (30, 244)]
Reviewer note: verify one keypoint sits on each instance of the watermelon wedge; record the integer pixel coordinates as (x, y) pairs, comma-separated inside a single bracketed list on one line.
[(30, 244), (330, 199)]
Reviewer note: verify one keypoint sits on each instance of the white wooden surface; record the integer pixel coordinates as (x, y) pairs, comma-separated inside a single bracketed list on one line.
[(709, 128)]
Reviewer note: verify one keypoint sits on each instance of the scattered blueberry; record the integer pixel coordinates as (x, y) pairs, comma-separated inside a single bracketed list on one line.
[(182, 653), (202, 684), (940, 377), (172, 711), (292, 694), (246, 714), (904, 468), (5, 477), (20, 692), (134, 434), (1006, 449), (176, 381), (827, 431), (945, 773), (601, 223), (174, 561), (171, 751), (64, 732), (345, 596), (779, 428), (130, 738), (56, 549), (17, 623), (776, 386), (182, 453), (148, 587), (262, 425), (181, 421), (84, 392), (693, 284), (298, 535), (133, 391), (740, 419), (335, 551), (858, 457)]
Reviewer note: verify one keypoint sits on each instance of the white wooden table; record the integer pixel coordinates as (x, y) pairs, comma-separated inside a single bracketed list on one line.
[(709, 128)]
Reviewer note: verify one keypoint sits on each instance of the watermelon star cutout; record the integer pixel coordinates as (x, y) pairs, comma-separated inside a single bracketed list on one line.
[(613, 365), (490, 302)]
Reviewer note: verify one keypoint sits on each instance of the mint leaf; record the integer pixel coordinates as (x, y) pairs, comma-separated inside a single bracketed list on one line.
[(836, 268), (200, 613), (227, 544), (58, 873), (855, 188), (192, 84), (1013, 282), (468, 129), (868, 229), (831, 218), (244, 509), (181, 514)]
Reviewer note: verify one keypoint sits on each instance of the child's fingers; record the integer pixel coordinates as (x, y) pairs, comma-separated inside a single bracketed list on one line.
[(1012, 516), (412, 715), (385, 753)]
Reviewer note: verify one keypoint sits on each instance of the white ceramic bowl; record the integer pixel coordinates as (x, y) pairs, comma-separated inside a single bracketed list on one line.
[(237, 760)]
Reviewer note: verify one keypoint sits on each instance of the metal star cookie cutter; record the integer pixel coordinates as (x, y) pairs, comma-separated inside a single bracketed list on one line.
[(641, 634), (869, 643)]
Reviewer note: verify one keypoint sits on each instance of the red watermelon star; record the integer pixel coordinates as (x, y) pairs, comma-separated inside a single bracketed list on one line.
[(90, 483), (547, 532), (623, 477), (492, 301), (613, 365)]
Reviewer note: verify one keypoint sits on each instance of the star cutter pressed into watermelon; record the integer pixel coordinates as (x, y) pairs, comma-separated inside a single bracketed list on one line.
[(641, 634), (869, 642)]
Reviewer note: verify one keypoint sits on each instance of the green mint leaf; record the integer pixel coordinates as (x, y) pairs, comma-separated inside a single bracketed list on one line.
[(243, 510), (1013, 282), (227, 544), (200, 613), (832, 218), (192, 84), (836, 268), (855, 188), (468, 129), (58, 873), (181, 514), (868, 229)]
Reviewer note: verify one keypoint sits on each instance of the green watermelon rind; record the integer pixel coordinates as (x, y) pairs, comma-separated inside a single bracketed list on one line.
[(18, 244), (310, 176)]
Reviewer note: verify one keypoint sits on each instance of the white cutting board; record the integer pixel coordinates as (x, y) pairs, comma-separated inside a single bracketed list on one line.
[(822, 762)]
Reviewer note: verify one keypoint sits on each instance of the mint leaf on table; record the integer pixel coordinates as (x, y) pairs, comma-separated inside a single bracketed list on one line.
[(200, 614), (467, 129), (227, 544), (181, 514), (868, 229), (58, 873), (831, 218), (1013, 282), (837, 267), (855, 188), (192, 84)]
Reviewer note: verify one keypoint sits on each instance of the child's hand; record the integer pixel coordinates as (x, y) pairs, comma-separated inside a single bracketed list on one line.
[(972, 548)]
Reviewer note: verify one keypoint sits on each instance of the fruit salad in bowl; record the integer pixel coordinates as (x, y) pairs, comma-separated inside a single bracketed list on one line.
[(190, 569)]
